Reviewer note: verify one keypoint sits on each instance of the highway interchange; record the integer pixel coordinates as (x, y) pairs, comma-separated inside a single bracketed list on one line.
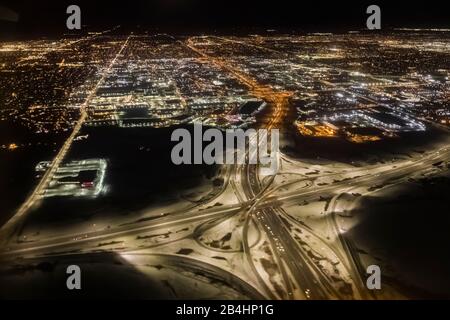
[(258, 209)]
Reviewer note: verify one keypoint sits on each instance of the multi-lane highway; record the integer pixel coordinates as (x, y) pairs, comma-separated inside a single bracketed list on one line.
[(259, 205), (10, 226), (298, 269)]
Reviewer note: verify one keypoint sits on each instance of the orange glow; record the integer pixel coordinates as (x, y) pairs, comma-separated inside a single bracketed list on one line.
[(359, 138), (12, 146), (279, 99), (315, 129)]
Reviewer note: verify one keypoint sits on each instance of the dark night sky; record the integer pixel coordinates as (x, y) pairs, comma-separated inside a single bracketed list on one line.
[(186, 16)]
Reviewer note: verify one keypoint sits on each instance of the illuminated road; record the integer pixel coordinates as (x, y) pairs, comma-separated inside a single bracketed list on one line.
[(259, 204), (289, 255), (65, 45), (249, 173), (9, 227), (292, 260)]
